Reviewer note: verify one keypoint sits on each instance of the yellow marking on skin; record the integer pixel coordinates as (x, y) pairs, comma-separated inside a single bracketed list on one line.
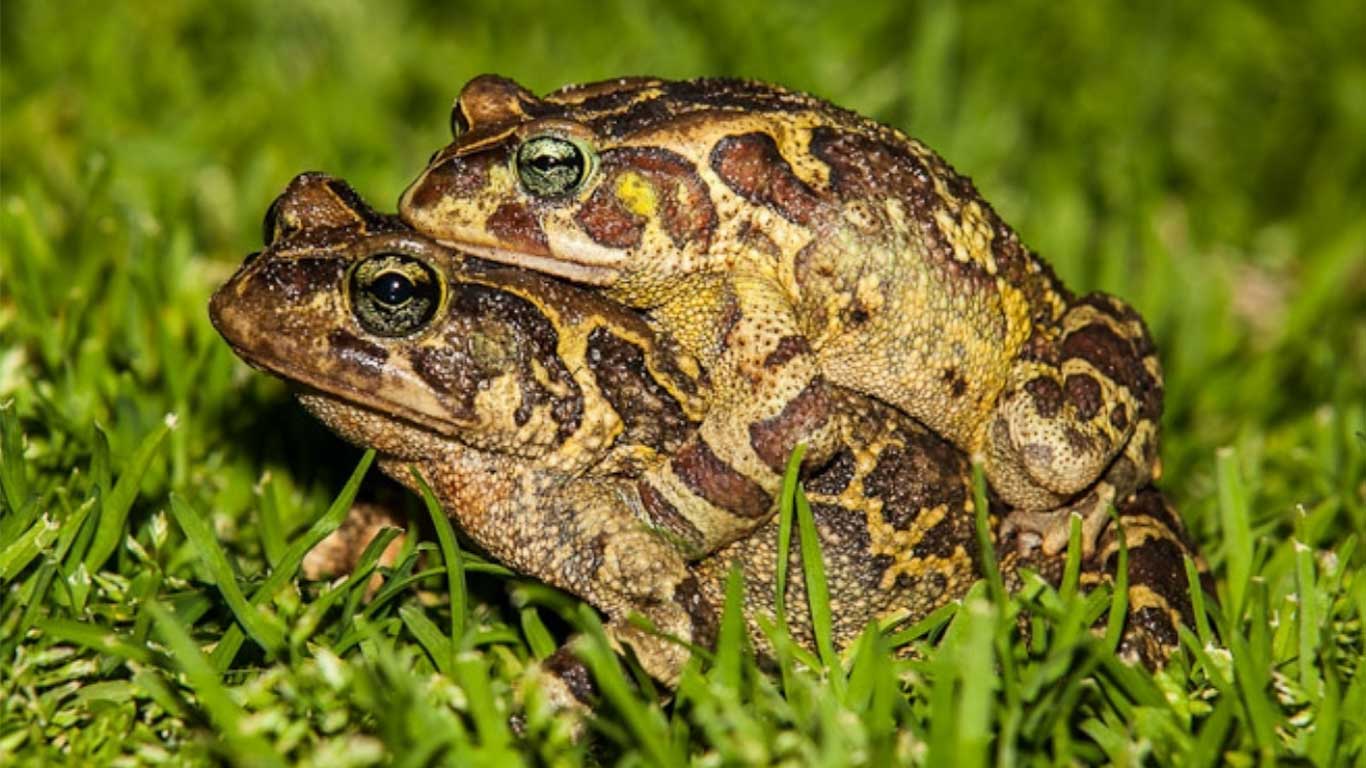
[(1015, 307), (969, 236), (869, 292), (501, 177), (1142, 596), (637, 194), (543, 377)]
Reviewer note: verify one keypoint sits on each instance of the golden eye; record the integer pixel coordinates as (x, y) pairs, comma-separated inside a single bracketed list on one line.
[(550, 166), (393, 294)]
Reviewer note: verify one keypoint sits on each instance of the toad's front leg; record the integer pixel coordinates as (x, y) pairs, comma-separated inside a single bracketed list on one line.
[(587, 537), (768, 397), (1076, 428)]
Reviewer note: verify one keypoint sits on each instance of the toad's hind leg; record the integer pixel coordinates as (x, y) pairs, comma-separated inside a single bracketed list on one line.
[(1076, 427), (1159, 594)]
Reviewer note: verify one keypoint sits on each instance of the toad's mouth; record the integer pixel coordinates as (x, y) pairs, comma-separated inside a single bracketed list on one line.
[(374, 412), (586, 265)]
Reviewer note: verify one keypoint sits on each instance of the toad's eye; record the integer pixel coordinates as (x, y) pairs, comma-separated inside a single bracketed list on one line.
[(270, 226), (393, 294), (550, 166), (459, 123)]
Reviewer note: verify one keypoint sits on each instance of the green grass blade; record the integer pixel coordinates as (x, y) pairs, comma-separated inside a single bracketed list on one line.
[(473, 674), (17, 554), (284, 570), (203, 679), (1234, 517), (786, 510), (977, 692), (644, 722), (95, 637), (272, 529), (450, 555), (14, 486), (1119, 597), (730, 643), (932, 621), (538, 638), (354, 588), (985, 544), (115, 507), (437, 645), (1071, 572), (1197, 596), (1309, 616), (263, 627), (818, 594)]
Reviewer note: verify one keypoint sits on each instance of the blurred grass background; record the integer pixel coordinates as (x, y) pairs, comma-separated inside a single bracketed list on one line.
[(1204, 161)]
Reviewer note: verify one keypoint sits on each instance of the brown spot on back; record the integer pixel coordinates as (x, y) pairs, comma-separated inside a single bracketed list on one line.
[(1150, 503), (753, 167), (624, 111), (835, 476), (1047, 395), (922, 473), (688, 595), (865, 168), (708, 476), (650, 414), (1078, 442), (450, 372), (575, 675), (515, 226), (788, 347), (944, 538), (604, 219), (729, 320), (682, 204), (957, 384), (773, 439), (1158, 564), (1083, 392), (666, 517), (527, 335), (1119, 417), (1116, 358)]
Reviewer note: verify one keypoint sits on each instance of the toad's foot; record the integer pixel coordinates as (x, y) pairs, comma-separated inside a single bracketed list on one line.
[(1051, 529)]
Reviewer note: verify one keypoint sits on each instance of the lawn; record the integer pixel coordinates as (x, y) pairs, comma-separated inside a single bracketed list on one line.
[(1204, 161)]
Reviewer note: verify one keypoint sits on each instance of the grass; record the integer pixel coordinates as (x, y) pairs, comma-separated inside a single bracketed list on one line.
[(1204, 161)]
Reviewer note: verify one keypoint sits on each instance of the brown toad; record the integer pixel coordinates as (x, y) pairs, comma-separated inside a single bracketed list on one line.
[(531, 407), (791, 245)]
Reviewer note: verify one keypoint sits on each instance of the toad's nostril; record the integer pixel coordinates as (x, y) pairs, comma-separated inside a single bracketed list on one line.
[(250, 258)]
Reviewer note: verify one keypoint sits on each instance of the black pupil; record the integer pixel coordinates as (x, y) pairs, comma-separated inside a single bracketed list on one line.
[(391, 288), (547, 163)]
